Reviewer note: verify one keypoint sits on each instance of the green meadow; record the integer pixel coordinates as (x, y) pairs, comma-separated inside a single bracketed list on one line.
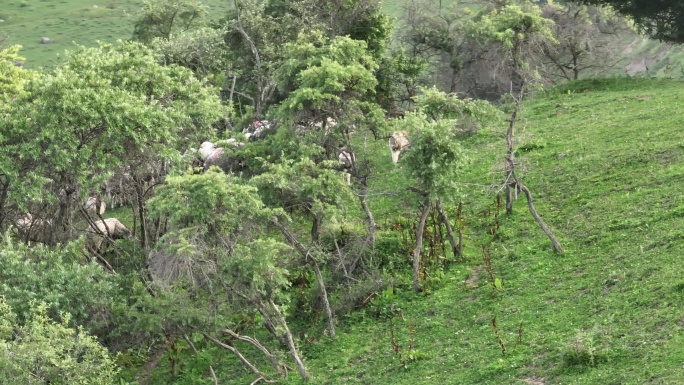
[(604, 160), (68, 23)]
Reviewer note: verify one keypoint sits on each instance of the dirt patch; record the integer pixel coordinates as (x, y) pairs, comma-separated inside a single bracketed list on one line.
[(534, 380), (150, 365), (475, 273)]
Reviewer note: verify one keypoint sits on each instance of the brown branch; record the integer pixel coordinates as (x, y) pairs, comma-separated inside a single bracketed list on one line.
[(530, 203), (419, 244)]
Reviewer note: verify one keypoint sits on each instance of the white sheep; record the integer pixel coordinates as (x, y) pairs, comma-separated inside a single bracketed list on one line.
[(111, 228), (212, 155), (33, 230), (398, 142), (95, 206), (347, 159), (206, 149), (257, 129)]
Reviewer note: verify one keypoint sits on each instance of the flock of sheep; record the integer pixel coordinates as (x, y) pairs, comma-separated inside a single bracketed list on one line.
[(209, 154)]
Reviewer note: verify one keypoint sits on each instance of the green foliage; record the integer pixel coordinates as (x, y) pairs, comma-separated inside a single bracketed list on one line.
[(301, 185), (213, 201), (43, 351), (163, 18), (12, 78), (661, 20), (201, 50), (435, 157), (261, 262), (321, 72), (439, 105), (58, 279), (101, 107), (513, 24)]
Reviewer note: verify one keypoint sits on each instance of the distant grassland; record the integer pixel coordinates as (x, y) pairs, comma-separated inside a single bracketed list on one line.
[(83, 22), (70, 22)]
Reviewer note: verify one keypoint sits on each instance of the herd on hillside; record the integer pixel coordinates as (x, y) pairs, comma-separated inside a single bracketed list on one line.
[(208, 155)]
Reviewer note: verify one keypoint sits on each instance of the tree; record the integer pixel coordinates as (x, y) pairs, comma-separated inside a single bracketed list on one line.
[(333, 79), (219, 259), (588, 41), (42, 351), (436, 156), (517, 30), (662, 20), (12, 77), (163, 18), (85, 291), (103, 111)]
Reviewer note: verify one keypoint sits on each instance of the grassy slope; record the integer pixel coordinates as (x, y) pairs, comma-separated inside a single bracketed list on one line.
[(69, 22), (604, 312), (612, 299)]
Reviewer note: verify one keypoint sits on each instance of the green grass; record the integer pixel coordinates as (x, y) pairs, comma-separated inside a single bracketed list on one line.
[(605, 162), (70, 22)]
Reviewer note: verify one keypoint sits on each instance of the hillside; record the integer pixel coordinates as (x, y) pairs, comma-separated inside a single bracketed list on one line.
[(604, 160), (85, 22), (69, 22)]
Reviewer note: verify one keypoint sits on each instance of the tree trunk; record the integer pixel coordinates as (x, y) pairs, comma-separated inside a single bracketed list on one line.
[(236, 352), (419, 245), (144, 241), (556, 245), (3, 201), (316, 227), (310, 256), (194, 350), (510, 161), (455, 249), (324, 294), (372, 227), (290, 342)]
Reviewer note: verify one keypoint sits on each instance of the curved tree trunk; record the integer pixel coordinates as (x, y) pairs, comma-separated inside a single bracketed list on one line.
[(530, 203), (455, 246), (419, 244), (324, 294), (290, 342), (309, 256)]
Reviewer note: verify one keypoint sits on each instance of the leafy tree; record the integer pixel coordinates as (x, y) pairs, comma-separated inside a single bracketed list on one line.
[(86, 292), (434, 34), (219, 259), (201, 50), (436, 156), (42, 351), (333, 79), (12, 77), (662, 20), (163, 18), (517, 29), (257, 30), (103, 111)]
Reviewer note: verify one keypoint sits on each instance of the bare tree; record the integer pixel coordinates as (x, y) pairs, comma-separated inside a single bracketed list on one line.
[(589, 41)]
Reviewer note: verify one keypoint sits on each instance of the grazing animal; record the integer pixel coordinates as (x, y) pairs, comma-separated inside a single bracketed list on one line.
[(347, 159), (398, 142), (95, 206), (232, 142), (33, 230), (218, 156), (110, 227), (257, 130)]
